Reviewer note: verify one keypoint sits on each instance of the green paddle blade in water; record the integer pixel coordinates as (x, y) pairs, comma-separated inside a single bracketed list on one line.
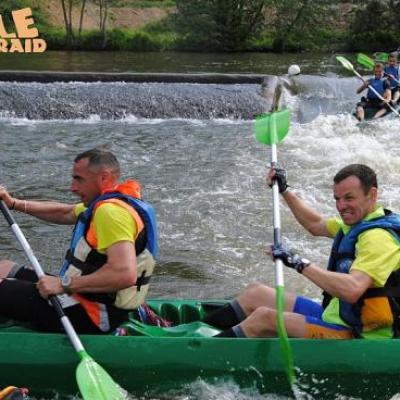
[(95, 383), (271, 128)]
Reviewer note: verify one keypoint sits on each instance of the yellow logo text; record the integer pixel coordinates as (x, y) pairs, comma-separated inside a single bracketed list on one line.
[(25, 37)]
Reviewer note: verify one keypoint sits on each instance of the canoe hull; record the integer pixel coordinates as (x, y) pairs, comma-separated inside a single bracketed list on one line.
[(361, 368)]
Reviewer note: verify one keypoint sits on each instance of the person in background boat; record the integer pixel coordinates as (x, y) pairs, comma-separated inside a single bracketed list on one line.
[(107, 268), (372, 101), (392, 72), (362, 271)]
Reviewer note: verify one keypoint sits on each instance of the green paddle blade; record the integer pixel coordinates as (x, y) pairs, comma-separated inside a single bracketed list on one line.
[(345, 62), (382, 57), (366, 61), (271, 128), (95, 383), (283, 337)]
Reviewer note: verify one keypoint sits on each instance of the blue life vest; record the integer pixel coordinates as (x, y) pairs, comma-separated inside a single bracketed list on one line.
[(393, 71), (144, 209), (378, 85), (341, 260)]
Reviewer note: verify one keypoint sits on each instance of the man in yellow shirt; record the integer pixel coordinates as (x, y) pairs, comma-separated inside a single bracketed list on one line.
[(108, 265), (364, 258)]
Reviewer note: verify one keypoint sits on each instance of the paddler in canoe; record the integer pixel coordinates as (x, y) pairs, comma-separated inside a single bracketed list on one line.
[(371, 105), (361, 285), (392, 72), (110, 258)]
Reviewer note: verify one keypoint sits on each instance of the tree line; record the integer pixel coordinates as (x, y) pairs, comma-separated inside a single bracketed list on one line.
[(231, 25)]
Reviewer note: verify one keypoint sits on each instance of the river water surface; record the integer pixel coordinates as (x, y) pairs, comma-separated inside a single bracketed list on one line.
[(205, 177)]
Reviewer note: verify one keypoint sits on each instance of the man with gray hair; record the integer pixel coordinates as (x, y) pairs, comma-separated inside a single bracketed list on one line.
[(110, 260)]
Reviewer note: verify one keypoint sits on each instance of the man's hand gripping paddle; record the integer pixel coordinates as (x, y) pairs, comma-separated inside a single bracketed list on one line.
[(93, 381)]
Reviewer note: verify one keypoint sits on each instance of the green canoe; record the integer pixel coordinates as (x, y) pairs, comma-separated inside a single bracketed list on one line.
[(45, 363)]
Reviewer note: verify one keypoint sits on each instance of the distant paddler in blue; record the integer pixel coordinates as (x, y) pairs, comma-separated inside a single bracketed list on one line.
[(378, 87), (392, 72)]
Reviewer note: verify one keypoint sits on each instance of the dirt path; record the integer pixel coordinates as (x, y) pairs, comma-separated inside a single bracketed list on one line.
[(121, 17)]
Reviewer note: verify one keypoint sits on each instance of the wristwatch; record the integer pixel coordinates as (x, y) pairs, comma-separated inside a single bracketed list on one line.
[(304, 263), (66, 281)]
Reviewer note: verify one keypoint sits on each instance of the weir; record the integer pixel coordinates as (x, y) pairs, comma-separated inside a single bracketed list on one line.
[(116, 100), (62, 95)]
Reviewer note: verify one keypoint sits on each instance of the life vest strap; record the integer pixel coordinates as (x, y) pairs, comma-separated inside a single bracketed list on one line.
[(95, 259), (337, 255), (142, 281), (391, 291)]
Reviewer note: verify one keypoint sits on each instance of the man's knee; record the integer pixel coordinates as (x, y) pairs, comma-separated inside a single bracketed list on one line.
[(261, 322), (254, 294), (264, 316), (6, 266)]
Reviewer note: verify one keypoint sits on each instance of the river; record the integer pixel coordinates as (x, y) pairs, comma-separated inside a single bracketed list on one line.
[(205, 175)]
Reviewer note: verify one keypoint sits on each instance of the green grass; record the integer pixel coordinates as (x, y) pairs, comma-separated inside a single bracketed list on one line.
[(145, 3)]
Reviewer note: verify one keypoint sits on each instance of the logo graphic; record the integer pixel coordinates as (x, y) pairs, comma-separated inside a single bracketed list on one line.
[(25, 38)]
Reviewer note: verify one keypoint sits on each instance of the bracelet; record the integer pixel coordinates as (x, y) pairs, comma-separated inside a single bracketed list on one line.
[(25, 206)]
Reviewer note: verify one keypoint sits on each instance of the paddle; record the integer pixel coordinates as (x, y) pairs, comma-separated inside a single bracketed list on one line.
[(348, 65), (369, 63), (382, 57), (270, 129), (93, 381)]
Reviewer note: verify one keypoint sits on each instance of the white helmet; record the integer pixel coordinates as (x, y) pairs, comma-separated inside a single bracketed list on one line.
[(294, 70)]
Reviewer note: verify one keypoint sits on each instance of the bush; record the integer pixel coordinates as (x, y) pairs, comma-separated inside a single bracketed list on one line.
[(143, 41), (118, 39), (56, 38), (7, 6), (91, 40), (377, 40), (261, 43)]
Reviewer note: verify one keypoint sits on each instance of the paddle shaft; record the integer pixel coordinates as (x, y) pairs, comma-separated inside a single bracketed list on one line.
[(279, 279), (69, 329), (276, 219)]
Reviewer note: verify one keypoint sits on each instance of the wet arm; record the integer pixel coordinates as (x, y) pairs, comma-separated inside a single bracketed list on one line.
[(51, 211), (362, 87)]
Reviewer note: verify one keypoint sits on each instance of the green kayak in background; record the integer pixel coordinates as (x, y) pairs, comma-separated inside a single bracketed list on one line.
[(146, 357)]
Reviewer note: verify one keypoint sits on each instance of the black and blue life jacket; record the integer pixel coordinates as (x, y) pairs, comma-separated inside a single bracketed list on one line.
[(341, 260)]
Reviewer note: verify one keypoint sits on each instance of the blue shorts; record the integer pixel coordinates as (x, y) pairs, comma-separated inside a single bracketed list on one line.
[(317, 328)]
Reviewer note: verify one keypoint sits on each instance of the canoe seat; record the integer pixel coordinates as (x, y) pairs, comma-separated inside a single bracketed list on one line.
[(192, 329)]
